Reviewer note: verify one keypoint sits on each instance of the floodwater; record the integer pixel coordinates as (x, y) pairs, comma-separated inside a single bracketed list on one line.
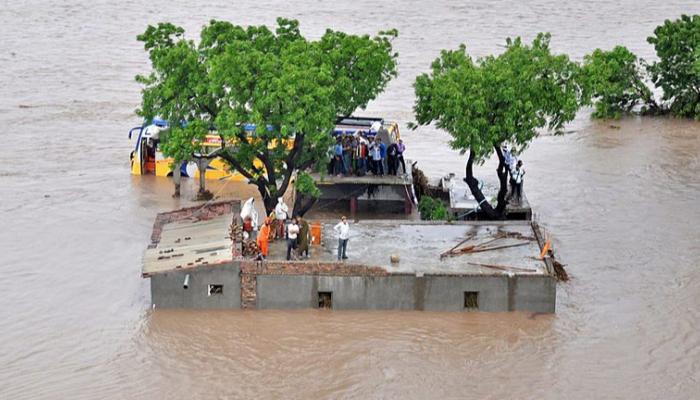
[(621, 200)]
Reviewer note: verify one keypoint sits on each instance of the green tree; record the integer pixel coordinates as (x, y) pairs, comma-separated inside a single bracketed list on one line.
[(307, 193), (615, 79), (497, 99), (677, 45), (291, 88)]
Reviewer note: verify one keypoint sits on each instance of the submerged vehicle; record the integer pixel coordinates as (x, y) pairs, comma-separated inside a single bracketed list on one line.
[(147, 157), (388, 131)]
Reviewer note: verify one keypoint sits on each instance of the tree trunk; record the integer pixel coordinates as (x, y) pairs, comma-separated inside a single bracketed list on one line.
[(202, 164), (269, 201), (488, 210), (502, 173), (303, 204), (177, 175)]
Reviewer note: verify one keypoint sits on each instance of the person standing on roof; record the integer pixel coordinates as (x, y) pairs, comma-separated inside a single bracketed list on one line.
[(347, 155), (508, 158), (401, 147), (382, 153), (363, 155), (304, 238), (517, 176), (338, 157), (263, 239), (343, 231), (281, 211), (292, 234), (393, 158), (375, 156)]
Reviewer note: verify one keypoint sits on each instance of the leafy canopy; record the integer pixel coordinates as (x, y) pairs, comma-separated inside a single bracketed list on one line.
[(496, 99), (615, 79), (291, 88), (677, 44)]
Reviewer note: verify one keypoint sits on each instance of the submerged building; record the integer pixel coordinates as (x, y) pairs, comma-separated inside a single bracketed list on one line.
[(195, 261)]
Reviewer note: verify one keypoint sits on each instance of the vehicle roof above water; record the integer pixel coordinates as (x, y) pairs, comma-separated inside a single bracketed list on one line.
[(341, 123)]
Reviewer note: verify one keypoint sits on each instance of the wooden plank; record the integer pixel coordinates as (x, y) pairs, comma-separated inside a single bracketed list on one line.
[(503, 267)]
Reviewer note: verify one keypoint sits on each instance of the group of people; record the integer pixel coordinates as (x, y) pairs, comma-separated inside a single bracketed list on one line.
[(516, 173), (295, 231), (359, 155)]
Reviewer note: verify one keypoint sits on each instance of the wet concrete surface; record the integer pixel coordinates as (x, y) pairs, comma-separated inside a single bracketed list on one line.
[(419, 246)]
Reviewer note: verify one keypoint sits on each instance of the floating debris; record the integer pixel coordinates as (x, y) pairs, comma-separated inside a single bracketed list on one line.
[(481, 247)]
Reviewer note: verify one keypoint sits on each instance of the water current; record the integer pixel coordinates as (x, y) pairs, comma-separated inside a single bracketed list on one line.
[(620, 198)]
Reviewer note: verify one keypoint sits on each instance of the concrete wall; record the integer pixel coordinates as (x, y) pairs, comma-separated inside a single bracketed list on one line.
[(406, 292), (496, 293), (349, 292), (446, 293), (167, 288), (534, 293)]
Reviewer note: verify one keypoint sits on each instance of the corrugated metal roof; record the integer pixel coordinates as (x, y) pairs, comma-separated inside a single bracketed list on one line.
[(187, 244)]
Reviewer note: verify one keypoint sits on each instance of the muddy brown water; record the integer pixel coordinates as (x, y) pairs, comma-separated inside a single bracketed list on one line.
[(622, 202)]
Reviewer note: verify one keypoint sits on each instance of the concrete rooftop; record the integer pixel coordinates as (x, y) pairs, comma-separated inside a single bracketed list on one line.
[(188, 243), (419, 245)]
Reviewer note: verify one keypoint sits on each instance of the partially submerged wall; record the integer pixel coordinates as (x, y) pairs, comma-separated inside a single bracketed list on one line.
[(281, 285), (209, 287), (296, 285), (248, 284)]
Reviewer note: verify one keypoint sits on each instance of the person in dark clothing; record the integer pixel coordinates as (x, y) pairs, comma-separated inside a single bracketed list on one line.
[(392, 153), (347, 156), (517, 181), (339, 168), (401, 147), (304, 238)]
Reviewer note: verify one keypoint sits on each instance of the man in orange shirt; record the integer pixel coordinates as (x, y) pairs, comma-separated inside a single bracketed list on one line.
[(264, 237)]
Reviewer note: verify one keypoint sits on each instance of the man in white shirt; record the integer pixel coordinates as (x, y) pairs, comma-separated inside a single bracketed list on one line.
[(343, 231), (517, 176), (508, 158), (292, 233), (281, 211)]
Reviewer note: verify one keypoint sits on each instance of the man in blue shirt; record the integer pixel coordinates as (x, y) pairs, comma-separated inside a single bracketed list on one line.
[(338, 152), (382, 154)]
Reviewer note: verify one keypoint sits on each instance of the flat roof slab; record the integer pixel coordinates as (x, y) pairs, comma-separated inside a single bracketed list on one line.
[(419, 246), (188, 244), (461, 198)]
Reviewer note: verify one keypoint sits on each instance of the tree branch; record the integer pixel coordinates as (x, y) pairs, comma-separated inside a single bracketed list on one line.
[(503, 180), (237, 166), (291, 162)]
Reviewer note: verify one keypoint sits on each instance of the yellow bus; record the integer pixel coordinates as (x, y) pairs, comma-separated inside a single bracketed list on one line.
[(147, 157)]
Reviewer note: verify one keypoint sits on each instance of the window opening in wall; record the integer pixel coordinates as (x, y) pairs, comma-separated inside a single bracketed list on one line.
[(471, 300), (325, 300), (215, 289)]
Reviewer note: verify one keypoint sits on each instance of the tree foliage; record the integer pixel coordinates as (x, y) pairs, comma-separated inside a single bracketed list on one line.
[(497, 99), (677, 45), (615, 79), (307, 193), (291, 88), (433, 209)]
